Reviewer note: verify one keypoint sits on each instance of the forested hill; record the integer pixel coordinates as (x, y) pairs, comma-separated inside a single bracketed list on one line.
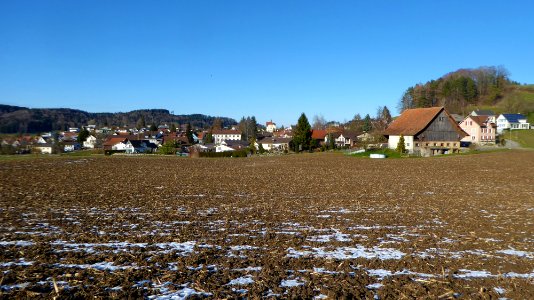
[(14, 119), (465, 89)]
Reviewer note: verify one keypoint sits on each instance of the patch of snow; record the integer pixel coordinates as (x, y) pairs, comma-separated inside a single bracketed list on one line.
[(9, 287), (517, 253), (20, 262), (248, 269), (245, 280), (291, 283), (242, 247), (374, 286), (324, 271), (185, 248), (182, 294), (320, 296), (349, 253), (17, 243), (101, 266), (499, 290), (473, 274)]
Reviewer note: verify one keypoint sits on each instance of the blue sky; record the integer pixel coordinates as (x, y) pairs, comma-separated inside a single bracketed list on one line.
[(270, 59)]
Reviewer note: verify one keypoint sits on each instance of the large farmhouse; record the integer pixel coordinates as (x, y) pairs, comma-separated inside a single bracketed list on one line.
[(426, 131)]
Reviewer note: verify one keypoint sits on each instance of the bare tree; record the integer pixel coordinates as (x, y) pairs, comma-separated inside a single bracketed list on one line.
[(319, 122)]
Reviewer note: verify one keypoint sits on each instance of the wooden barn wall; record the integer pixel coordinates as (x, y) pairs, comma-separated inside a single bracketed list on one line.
[(440, 130)]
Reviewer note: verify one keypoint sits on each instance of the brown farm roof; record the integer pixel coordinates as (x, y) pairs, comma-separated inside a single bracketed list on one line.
[(318, 134), (412, 121)]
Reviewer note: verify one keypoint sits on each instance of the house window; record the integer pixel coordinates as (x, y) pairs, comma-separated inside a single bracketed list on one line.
[(407, 144), (441, 119), (448, 144), (416, 144)]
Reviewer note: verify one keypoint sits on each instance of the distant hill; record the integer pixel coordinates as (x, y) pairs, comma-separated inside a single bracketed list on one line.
[(466, 89), (15, 119)]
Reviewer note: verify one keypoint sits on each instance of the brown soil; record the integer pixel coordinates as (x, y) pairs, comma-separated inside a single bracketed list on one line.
[(296, 226)]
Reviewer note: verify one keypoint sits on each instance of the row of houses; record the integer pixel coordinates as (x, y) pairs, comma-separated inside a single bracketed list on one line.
[(433, 131)]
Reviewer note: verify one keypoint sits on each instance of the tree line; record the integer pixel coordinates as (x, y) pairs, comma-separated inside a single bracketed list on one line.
[(458, 90), (14, 119)]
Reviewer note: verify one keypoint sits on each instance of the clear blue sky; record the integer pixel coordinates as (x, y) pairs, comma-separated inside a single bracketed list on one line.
[(270, 59)]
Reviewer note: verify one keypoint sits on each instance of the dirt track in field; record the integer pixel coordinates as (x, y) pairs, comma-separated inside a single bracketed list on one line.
[(297, 226)]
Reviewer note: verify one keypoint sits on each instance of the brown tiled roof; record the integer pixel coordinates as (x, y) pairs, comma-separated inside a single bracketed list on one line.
[(226, 131), (114, 140), (412, 121), (480, 120), (318, 134)]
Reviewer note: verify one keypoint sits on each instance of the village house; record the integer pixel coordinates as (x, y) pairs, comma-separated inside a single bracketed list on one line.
[(273, 144), (43, 148), (71, 146), (90, 142), (270, 126), (118, 144), (426, 131), (480, 129), (319, 135), (342, 139), (511, 122), (226, 135)]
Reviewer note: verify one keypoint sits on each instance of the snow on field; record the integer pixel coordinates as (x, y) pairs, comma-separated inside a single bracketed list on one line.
[(349, 253), (517, 253), (288, 283), (245, 280), (101, 266)]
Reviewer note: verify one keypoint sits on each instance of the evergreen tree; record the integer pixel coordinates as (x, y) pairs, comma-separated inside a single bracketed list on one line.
[(386, 115), (169, 147), (82, 136), (401, 148), (153, 127), (173, 127), (141, 123), (367, 125), (208, 139), (189, 134), (302, 134)]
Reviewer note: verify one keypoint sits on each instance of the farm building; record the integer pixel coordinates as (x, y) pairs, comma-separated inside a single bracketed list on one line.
[(426, 131)]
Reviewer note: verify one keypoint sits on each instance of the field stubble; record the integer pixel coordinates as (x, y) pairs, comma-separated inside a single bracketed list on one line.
[(299, 226)]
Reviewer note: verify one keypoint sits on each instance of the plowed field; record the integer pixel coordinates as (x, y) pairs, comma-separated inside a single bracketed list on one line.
[(298, 226)]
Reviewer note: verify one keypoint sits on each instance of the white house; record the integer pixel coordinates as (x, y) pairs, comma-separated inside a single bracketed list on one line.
[(222, 135), (223, 147), (271, 126), (90, 142), (71, 146), (272, 144), (119, 144), (43, 148), (512, 122)]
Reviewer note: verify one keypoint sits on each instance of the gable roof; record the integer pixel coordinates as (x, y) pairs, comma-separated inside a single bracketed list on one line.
[(318, 134), (482, 112), (413, 121), (226, 131), (514, 118), (115, 140)]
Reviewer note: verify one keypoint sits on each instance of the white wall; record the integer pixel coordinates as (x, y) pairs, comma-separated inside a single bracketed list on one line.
[(393, 141)]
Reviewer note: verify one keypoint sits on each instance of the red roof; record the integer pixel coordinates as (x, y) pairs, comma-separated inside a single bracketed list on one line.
[(412, 121), (226, 131), (114, 140), (318, 134), (481, 120)]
